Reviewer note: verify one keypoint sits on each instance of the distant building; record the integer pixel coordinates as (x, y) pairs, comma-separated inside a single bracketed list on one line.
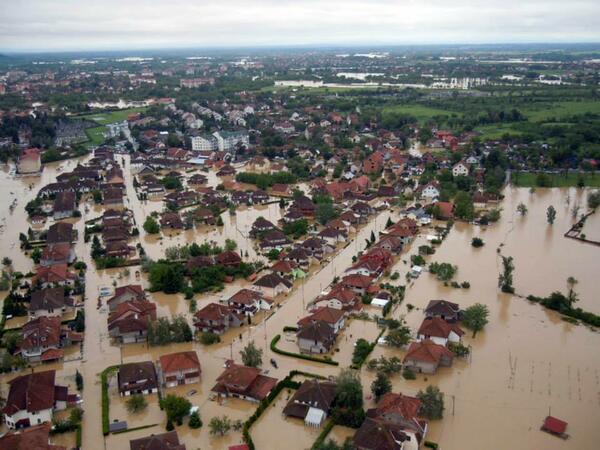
[(30, 161), (204, 143), (229, 140)]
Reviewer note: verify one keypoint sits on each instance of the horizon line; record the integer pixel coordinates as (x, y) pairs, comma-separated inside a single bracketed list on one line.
[(374, 46)]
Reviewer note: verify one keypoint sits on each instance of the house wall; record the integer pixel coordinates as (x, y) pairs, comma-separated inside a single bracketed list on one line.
[(181, 378), (310, 346), (35, 418), (145, 391), (420, 366), (46, 313), (437, 340)]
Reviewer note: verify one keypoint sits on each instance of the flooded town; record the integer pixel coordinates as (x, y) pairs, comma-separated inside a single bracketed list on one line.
[(383, 251)]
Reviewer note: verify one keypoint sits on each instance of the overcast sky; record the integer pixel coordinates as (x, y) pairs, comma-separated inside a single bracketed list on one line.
[(139, 24)]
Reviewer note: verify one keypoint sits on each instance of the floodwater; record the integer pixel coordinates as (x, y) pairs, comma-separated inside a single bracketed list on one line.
[(525, 363)]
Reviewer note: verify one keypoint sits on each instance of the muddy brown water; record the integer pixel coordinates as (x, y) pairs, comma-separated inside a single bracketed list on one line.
[(526, 363)]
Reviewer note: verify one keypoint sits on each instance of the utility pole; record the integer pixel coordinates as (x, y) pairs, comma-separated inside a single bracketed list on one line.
[(452, 404)]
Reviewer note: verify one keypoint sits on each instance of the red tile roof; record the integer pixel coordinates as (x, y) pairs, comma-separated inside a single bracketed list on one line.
[(180, 361), (427, 351)]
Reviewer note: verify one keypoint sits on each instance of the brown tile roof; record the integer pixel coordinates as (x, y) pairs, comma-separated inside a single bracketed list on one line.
[(131, 374), (442, 307), (245, 296), (213, 311), (379, 435), (318, 332), (51, 298), (312, 393), (324, 314), (175, 362), (60, 233), (438, 327), (404, 405), (32, 392), (41, 332), (427, 351), (164, 441), (32, 438)]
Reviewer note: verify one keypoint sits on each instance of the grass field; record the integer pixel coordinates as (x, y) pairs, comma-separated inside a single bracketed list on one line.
[(421, 112), (496, 131), (95, 135), (528, 179), (562, 109), (107, 117)]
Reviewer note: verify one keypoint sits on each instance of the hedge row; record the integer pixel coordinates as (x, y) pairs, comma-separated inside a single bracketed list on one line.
[(274, 349), (105, 400), (586, 317), (323, 435)]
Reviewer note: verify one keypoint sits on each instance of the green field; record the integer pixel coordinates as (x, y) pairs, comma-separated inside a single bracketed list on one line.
[(107, 117), (561, 109), (420, 112), (496, 131), (528, 179), (95, 135)]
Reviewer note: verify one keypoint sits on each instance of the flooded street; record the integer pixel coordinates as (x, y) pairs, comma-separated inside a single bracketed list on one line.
[(526, 363)]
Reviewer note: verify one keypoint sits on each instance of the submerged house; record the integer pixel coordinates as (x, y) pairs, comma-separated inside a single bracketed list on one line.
[(312, 402)]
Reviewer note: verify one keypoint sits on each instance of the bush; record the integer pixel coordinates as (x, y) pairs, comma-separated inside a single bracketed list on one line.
[(477, 242), (136, 403), (417, 260), (408, 374), (209, 338), (362, 349), (195, 421), (465, 285)]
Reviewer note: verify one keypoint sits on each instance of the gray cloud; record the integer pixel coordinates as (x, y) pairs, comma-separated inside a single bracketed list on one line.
[(126, 24)]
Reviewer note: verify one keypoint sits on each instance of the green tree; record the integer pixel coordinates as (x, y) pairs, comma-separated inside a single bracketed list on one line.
[(325, 212), (463, 206), (75, 416), (476, 317), (230, 245), (36, 255), (432, 403), (166, 277), (219, 426), (593, 199), (477, 242), (176, 407), (136, 403), (572, 296), (550, 214), (78, 380), (349, 393), (381, 385), (151, 226), (251, 355), (398, 337), (505, 279), (443, 271), (522, 209), (195, 421), (362, 348)]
